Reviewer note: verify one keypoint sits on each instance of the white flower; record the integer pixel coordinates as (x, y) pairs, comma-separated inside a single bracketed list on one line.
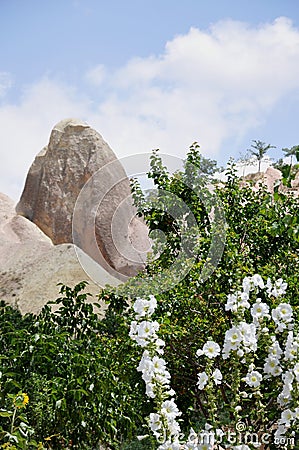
[(279, 288), (149, 389), (146, 331), (282, 315), (173, 427), (211, 349), (159, 364), (258, 281), (283, 399), (285, 396), (291, 348), (144, 308), (275, 350), (243, 300), (272, 367), (232, 340), (253, 378), (296, 371), (286, 417), (283, 312), (248, 332), (169, 409), (247, 284), (231, 304), (146, 367), (217, 376), (133, 329), (259, 310), (155, 423), (202, 380), (159, 344), (288, 378), (233, 336), (162, 377)]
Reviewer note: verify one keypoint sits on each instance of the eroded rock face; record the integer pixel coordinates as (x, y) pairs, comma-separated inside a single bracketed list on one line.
[(77, 154), (270, 177), (31, 266)]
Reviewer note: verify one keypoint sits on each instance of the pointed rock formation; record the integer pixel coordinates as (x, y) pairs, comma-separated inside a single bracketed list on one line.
[(106, 227)]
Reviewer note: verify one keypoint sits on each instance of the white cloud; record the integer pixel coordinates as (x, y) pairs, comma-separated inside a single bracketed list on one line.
[(97, 75), (208, 85), (25, 129), (5, 83)]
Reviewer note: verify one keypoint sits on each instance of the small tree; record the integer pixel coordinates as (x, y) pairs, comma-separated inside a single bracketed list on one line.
[(244, 160), (294, 151), (259, 150)]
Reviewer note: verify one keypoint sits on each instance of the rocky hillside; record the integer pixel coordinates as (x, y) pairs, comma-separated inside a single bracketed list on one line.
[(37, 239)]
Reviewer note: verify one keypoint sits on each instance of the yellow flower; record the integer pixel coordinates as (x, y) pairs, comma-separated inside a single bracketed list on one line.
[(21, 400)]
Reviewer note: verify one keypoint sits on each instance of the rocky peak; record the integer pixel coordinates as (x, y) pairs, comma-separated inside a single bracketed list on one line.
[(76, 154)]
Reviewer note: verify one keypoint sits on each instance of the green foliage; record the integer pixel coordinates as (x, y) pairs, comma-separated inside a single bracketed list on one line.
[(262, 237), (79, 374), (79, 370)]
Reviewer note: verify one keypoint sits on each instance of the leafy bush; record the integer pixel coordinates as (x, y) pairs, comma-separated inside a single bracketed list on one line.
[(80, 372), (79, 375), (262, 237)]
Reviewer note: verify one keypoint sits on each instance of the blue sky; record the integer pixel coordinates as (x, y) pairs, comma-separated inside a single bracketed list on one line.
[(148, 74)]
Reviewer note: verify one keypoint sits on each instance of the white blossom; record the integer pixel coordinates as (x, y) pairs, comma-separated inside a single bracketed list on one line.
[(291, 348), (286, 417), (283, 312), (258, 281), (247, 284), (146, 331), (202, 380), (275, 350), (296, 371), (217, 376), (243, 298), (210, 349), (155, 423), (279, 288), (231, 304), (169, 409), (248, 332), (253, 378), (272, 366), (259, 310), (144, 308)]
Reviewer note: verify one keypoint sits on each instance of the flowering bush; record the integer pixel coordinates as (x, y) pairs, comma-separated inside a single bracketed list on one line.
[(250, 384)]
